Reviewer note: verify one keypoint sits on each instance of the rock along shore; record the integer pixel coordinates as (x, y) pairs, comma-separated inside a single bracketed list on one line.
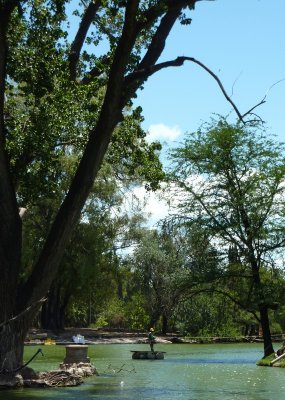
[(94, 336)]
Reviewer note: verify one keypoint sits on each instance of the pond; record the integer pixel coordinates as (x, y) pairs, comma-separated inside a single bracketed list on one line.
[(188, 372)]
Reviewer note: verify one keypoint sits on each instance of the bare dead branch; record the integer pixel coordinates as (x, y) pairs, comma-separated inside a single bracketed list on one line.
[(249, 112), (274, 84), (144, 73), (180, 61), (21, 314), (235, 81)]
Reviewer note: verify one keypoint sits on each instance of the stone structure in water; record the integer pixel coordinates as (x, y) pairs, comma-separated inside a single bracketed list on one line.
[(77, 361)]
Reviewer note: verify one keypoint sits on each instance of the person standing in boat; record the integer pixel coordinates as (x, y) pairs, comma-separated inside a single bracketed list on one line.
[(151, 339)]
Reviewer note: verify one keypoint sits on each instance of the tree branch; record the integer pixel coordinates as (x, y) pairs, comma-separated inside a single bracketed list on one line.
[(10, 226), (158, 41), (225, 231), (21, 314), (155, 49), (241, 305), (155, 11), (78, 42), (95, 72), (145, 72), (99, 139)]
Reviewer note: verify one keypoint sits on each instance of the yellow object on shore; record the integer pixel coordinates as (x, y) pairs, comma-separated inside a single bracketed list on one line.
[(49, 341)]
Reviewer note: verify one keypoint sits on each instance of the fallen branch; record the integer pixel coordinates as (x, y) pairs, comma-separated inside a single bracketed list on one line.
[(116, 370)]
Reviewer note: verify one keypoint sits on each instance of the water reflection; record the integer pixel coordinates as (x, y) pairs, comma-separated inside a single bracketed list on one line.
[(188, 372)]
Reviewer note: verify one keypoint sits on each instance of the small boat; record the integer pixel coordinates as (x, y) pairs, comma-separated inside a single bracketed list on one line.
[(147, 355)]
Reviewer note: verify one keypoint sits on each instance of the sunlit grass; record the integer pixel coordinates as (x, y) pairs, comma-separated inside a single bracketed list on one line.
[(265, 362)]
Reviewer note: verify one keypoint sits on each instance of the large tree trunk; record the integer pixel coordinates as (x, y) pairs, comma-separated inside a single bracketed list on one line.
[(164, 324), (12, 333), (53, 310), (12, 339), (154, 317), (263, 311), (264, 320), (16, 298)]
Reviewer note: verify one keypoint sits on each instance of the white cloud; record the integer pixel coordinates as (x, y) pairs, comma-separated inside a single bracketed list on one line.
[(163, 132), (154, 207)]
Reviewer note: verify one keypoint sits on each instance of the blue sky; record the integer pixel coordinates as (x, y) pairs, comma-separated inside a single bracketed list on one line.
[(243, 42)]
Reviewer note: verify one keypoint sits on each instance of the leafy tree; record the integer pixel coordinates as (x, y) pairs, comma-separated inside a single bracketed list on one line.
[(167, 268), (207, 314), (231, 177), (156, 264), (89, 269), (199, 272), (32, 34), (92, 271)]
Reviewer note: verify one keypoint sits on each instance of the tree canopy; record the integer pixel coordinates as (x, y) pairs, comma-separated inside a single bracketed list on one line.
[(231, 179), (59, 95)]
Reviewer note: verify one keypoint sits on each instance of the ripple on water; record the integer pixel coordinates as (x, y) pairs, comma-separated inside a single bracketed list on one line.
[(189, 372)]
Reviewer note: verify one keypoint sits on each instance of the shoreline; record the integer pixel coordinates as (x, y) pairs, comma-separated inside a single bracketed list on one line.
[(95, 336)]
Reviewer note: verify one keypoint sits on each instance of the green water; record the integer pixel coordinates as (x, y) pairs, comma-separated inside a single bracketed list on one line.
[(188, 372)]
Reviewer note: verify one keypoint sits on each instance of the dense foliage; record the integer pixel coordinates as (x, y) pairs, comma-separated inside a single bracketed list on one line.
[(230, 178), (68, 74)]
